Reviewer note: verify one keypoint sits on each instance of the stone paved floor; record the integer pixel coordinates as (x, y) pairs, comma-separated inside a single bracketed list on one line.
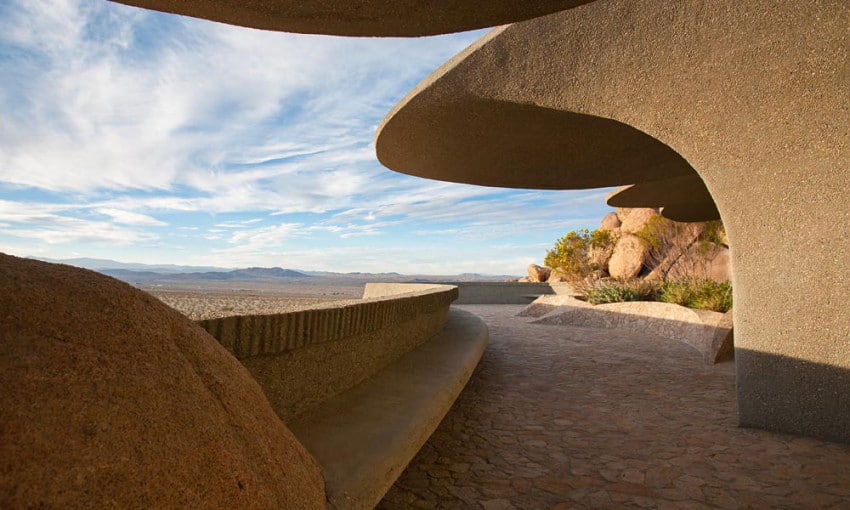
[(564, 417)]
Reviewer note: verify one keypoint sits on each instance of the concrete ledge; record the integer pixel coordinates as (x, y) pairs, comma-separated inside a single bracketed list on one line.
[(364, 438), (708, 332), (303, 358)]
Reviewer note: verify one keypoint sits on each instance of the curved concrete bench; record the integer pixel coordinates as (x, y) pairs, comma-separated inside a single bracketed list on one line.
[(365, 437), (303, 358), (708, 332)]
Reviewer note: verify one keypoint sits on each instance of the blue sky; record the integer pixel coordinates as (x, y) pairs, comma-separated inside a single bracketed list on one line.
[(145, 137)]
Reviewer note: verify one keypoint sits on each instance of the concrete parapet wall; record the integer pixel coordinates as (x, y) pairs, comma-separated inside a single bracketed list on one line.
[(379, 290), (499, 293), (708, 332), (303, 358)]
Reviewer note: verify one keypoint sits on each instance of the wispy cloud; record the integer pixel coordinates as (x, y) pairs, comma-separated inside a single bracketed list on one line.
[(183, 139)]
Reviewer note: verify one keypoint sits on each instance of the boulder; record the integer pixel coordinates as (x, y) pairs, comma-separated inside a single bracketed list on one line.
[(600, 257), (720, 268), (556, 275), (633, 219), (701, 262), (610, 222), (111, 398), (538, 273), (628, 257)]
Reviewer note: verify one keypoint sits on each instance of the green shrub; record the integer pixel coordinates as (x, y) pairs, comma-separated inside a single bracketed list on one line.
[(697, 293), (693, 293), (571, 253), (617, 291)]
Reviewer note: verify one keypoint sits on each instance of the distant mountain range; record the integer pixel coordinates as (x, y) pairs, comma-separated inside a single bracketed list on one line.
[(172, 274), (102, 264), (252, 273)]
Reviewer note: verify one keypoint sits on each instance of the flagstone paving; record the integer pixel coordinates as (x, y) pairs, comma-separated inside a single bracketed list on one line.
[(567, 417)]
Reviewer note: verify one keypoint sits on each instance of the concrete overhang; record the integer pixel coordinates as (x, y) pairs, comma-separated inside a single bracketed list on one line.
[(472, 122), (383, 18), (683, 198)]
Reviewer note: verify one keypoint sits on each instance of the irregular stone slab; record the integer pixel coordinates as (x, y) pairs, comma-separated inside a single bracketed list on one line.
[(111, 398), (360, 18), (746, 94), (554, 415)]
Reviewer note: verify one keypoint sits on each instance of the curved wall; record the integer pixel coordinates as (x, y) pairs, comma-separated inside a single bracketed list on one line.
[(753, 95), (303, 358)]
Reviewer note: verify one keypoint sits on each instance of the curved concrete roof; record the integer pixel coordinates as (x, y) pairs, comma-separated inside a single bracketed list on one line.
[(360, 17), (458, 126), (603, 94), (681, 198)]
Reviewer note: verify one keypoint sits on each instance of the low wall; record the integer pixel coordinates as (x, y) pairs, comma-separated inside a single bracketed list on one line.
[(499, 293), (708, 332), (303, 358)]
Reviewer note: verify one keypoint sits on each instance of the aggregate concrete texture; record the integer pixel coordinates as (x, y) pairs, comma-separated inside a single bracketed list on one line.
[(562, 417), (752, 96), (360, 18), (111, 399)]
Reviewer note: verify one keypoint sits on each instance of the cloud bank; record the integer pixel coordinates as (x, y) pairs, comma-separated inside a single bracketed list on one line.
[(155, 138)]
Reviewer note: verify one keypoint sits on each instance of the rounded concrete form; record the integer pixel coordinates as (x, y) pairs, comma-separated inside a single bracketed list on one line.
[(112, 399), (708, 332), (360, 18), (753, 96), (682, 198)]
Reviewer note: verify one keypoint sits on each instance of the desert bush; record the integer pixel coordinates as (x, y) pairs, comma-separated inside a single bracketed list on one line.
[(697, 293), (683, 246), (694, 293), (571, 253), (617, 291)]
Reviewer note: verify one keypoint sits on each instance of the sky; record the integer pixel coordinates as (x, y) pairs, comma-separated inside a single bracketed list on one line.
[(147, 137)]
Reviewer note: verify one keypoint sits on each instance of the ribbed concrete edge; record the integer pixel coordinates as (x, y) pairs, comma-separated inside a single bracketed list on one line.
[(365, 437)]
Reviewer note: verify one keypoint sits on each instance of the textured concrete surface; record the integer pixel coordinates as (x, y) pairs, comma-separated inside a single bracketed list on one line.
[(253, 335), (562, 417), (752, 96), (360, 18), (364, 438), (298, 380), (708, 332), (111, 399), (682, 198), (383, 290), (303, 358)]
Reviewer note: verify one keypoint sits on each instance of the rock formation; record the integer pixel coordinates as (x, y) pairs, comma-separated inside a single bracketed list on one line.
[(633, 220), (111, 398), (538, 273), (683, 253), (628, 258)]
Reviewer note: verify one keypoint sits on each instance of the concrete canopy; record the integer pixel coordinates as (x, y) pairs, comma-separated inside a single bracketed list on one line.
[(681, 198), (362, 17), (753, 95)]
